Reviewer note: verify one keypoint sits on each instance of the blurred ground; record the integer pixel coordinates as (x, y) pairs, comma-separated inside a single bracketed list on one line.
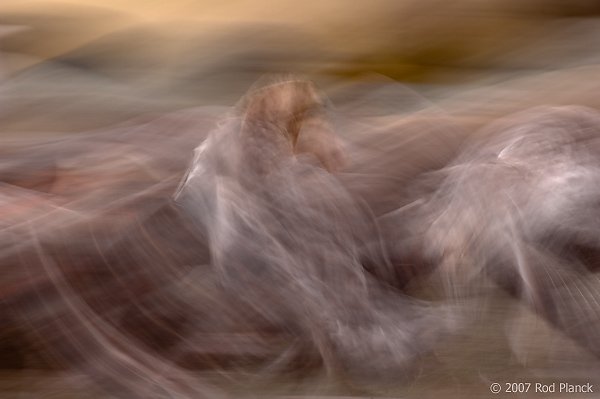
[(71, 67)]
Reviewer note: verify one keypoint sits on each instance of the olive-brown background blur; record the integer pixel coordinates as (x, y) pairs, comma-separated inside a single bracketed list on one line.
[(409, 39), (87, 63)]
